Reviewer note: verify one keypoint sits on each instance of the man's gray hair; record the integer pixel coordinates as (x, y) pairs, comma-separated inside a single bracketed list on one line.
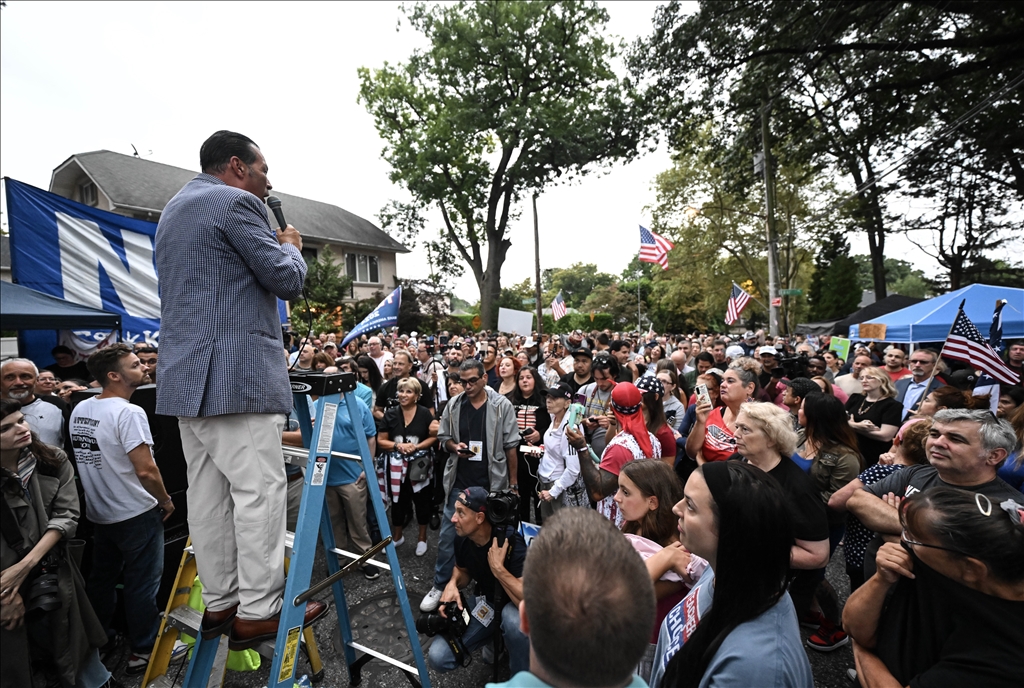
[(472, 365), (19, 360), (996, 433)]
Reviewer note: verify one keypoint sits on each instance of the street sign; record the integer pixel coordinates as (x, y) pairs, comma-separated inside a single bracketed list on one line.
[(791, 292), (529, 302), (777, 301)]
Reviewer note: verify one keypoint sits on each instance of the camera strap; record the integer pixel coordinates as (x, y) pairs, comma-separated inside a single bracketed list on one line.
[(10, 529)]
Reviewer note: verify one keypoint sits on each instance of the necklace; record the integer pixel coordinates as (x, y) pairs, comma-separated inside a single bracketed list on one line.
[(864, 406)]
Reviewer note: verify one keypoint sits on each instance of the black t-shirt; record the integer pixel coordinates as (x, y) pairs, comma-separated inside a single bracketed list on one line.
[(387, 396), (78, 371), (810, 518), (570, 379), (415, 432), (919, 478), (473, 558), (472, 427), (935, 632), (885, 411)]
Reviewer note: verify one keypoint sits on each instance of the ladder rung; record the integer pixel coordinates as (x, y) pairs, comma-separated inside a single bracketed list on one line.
[(384, 658), (186, 619), (162, 681), (299, 456), (289, 540)]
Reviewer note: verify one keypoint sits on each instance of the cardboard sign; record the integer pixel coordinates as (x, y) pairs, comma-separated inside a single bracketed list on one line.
[(872, 331)]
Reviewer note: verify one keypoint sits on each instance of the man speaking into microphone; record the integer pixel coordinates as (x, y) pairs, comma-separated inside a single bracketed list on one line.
[(221, 267)]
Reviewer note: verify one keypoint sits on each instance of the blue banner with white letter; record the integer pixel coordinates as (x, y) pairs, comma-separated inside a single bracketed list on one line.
[(86, 256), (384, 315)]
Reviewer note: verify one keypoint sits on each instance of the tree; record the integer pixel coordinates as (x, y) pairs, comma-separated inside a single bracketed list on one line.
[(835, 287), (857, 86), (326, 291), (902, 278), (508, 98), (575, 282)]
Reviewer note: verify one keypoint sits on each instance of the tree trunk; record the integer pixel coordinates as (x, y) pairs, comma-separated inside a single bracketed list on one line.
[(871, 216)]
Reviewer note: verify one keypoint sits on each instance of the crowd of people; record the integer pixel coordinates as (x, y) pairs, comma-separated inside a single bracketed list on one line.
[(691, 489)]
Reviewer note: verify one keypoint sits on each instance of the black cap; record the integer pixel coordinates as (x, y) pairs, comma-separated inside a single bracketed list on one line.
[(560, 390), (583, 352), (801, 386)]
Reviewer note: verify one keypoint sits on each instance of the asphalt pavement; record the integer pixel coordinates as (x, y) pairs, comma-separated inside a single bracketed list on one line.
[(371, 599)]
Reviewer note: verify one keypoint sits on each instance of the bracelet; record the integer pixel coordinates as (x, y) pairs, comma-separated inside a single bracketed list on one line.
[(166, 502)]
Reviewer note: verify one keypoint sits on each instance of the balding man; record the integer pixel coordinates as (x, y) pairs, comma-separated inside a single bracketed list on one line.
[(850, 383), (379, 355), (46, 415)]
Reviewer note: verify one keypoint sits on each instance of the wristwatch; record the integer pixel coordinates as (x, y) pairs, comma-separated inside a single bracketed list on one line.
[(514, 488)]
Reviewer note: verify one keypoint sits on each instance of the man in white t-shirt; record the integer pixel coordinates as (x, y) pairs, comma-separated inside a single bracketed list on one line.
[(45, 415), (378, 353), (125, 498)]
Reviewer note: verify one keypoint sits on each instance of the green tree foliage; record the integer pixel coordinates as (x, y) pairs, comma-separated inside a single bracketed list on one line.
[(508, 98), (326, 292), (835, 287), (853, 86), (902, 278), (575, 282)]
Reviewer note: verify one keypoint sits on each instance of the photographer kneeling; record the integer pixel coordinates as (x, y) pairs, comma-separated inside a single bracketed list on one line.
[(479, 557)]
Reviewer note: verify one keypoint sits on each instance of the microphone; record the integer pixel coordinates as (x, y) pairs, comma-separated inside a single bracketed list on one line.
[(274, 203)]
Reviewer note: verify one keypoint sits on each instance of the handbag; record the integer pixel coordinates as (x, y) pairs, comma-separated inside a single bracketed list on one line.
[(419, 466)]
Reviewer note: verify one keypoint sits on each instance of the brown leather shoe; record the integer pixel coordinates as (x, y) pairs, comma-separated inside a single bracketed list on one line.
[(247, 633), (217, 623)]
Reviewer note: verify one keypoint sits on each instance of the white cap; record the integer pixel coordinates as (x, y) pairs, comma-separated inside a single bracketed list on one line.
[(734, 351), (768, 350)]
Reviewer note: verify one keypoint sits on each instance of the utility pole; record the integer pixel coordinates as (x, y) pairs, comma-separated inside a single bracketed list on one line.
[(769, 211), (536, 258), (639, 325)]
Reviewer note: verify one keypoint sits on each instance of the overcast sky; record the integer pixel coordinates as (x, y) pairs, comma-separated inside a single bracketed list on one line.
[(83, 76)]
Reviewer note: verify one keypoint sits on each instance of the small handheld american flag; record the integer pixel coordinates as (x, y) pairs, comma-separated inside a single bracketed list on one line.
[(654, 248), (966, 344), (737, 302), (558, 309)]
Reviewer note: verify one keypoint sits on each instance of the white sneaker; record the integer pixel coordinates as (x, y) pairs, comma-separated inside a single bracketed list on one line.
[(179, 651), (430, 602), (421, 548), (399, 542)]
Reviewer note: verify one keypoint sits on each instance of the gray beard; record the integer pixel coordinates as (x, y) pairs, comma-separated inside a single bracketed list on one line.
[(18, 396)]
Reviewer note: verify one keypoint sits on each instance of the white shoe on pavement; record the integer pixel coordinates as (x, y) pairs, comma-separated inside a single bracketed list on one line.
[(399, 542), (421, 548), (430, 602)]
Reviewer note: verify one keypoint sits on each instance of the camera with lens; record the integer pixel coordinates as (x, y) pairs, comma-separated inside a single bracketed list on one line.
[(453, 624), (793, 365), (43, 587), (503, 509)]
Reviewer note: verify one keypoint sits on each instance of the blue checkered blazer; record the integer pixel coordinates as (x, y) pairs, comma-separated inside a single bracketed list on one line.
[(220, 267)]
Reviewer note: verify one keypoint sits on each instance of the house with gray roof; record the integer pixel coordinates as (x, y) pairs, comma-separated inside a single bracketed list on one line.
[(140, 188)]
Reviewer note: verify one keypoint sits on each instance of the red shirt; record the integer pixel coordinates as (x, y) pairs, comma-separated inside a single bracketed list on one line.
[(899, 374), (719, 443)]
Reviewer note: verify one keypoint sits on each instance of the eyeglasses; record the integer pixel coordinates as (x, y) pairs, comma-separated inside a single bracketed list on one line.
[(469, 380), (908, 544)]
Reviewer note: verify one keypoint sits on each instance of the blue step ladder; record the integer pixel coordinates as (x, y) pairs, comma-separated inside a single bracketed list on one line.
[(314, 517)]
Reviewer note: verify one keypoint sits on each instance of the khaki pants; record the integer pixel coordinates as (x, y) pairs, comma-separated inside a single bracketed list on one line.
[(548, 509), (347, 506), (236, 498), (294, 501)]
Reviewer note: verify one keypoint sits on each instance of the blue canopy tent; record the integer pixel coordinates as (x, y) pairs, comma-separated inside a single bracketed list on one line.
[(930, 320)]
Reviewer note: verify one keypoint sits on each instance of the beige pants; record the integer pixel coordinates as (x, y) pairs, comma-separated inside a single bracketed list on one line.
[(294, 501), (236, 509), (347, 506)]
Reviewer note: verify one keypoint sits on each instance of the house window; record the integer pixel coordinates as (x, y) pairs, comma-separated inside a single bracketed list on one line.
[(87, 192), (361, 268), (310, 254)]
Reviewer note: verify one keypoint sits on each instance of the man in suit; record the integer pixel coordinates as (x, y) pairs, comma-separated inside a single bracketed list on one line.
[(222, 269), (910, 390)]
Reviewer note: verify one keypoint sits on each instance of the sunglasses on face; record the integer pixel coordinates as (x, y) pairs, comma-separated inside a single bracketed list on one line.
[(469, 380)]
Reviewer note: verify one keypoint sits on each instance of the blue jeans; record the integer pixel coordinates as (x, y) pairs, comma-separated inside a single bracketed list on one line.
[(136, 548), (440, 656), (446, 544)]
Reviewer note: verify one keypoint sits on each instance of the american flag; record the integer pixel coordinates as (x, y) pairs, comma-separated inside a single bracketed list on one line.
[(558, 309), (966, 344), (654, 248), (995, 332), (737, 302)]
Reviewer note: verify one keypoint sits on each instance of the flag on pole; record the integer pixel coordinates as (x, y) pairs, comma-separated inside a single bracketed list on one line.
[(558, 309), (654, 248), (738, 300), (966, 344), (995, 332), (384, 315)]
